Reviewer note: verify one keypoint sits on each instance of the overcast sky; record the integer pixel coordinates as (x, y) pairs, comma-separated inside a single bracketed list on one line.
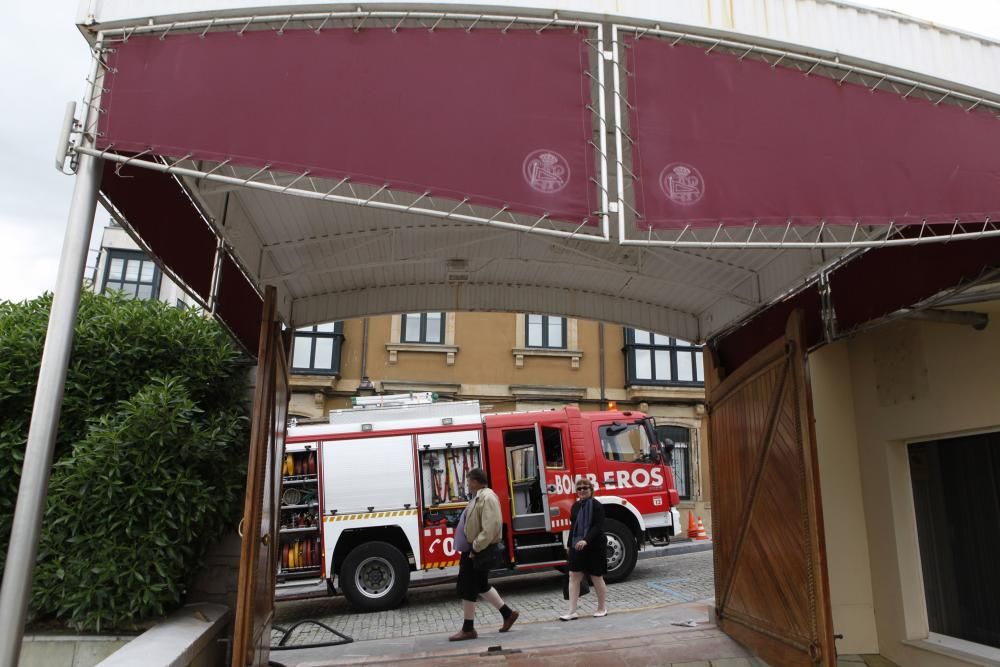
[(47, 61)]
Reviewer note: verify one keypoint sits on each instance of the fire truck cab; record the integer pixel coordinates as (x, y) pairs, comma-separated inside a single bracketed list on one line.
[(382, 486)]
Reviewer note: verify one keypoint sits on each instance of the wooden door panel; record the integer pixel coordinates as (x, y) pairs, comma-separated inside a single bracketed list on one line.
[(258, 554), (739, 418), (770, 569)]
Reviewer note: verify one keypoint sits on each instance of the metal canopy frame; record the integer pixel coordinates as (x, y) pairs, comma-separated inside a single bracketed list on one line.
[(790, 235), (618, 203)]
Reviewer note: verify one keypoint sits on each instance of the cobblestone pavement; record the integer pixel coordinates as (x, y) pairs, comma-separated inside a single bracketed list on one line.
[(656, 582)]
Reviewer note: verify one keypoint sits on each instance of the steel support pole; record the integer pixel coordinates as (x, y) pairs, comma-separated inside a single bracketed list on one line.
[(23, 547)]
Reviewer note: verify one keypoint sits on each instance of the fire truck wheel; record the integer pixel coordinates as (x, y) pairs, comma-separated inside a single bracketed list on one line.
[(375, 576), (622, 551)]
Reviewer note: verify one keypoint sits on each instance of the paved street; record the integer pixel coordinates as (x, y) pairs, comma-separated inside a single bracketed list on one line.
[(656, 582), (659, 617)]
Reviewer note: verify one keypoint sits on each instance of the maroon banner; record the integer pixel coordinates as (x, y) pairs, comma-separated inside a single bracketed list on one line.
[(161, 213), (719, 139), (499, 118), (239, 306)]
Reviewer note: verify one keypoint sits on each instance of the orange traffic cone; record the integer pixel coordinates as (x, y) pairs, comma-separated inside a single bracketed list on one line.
[(702, 534), (692, 528)]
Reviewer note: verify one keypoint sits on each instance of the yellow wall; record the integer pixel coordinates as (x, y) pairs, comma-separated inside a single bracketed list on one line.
[(908, 381), (350, 360), (485, 344), (846, 536), (614, 342), (485, 359)]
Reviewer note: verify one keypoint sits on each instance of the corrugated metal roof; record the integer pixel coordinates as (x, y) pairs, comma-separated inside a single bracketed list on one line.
[(896, 41)]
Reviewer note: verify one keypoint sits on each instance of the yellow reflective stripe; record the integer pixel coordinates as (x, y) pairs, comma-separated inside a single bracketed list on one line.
[(369, 515)]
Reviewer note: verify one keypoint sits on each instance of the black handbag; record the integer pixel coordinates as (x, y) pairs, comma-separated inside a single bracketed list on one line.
[(489, 558), (584, 585)]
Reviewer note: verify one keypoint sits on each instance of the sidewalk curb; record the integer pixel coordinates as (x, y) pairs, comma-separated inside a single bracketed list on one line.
[(677, 548)]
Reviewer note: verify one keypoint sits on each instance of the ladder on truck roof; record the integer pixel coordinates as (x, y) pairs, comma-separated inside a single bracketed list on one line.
[(393, 400), (379, 413)]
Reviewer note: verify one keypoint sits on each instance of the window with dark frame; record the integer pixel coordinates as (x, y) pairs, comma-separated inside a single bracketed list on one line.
[(956, 501), (422, 328), (553, 448), (316, 349), (654, 359), (546, 331), (681, 461), (131, 272)]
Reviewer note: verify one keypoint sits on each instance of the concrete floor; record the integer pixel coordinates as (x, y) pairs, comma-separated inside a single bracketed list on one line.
[(642, 638)]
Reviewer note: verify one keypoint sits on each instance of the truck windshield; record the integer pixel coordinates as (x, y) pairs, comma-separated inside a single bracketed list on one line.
[(626, 442)]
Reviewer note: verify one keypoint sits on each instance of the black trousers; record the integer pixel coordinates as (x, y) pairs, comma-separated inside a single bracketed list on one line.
[(471, 582)]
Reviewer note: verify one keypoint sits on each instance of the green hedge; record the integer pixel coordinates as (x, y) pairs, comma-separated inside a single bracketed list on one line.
[(150, 457)]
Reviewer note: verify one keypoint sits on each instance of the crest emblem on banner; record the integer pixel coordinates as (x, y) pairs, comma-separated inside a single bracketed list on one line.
[(682, 183), (546, 171)]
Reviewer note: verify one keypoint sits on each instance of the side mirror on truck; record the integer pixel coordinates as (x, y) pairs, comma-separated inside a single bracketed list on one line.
[(615, 428)]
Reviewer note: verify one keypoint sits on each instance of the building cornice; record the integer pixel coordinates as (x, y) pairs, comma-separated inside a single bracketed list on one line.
[(549, 392), (657, 393), (402, 386)]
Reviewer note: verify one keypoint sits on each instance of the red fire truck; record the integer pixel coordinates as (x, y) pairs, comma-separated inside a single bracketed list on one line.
[(371, 499)]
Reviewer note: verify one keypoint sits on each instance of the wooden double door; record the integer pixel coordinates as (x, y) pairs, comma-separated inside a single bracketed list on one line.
[(771, 588)]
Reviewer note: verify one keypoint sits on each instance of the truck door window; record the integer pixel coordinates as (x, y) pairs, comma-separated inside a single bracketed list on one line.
[(552, 443), (525, 489), (625, 442), (523, 463)]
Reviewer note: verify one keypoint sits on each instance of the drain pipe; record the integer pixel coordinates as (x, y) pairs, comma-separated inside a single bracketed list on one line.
[(976, 320), (365, 387), (600, 354)]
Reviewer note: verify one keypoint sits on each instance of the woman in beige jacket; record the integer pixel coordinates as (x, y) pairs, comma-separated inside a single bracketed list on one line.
[(479, 528)]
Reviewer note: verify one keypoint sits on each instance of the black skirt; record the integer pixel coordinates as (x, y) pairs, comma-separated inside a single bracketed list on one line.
[(592, 560)]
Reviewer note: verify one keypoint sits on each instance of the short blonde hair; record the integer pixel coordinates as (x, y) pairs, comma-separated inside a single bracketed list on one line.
[(583, 481)]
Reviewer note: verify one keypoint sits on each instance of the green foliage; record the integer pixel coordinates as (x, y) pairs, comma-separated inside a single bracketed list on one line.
[(150, 455), (134, 505)]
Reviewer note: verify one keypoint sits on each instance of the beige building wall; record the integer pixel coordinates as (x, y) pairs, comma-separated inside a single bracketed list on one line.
[(874, 394)]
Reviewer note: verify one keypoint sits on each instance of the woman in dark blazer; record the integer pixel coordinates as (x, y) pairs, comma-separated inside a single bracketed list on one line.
[(587, 549)]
